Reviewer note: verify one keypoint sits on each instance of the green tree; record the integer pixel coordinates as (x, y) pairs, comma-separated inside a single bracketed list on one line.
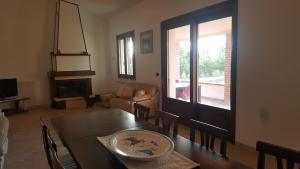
[(184, 62), (208, 66), (211, 66)]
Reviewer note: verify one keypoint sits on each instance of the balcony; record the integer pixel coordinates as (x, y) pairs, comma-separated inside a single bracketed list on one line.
[(213, 94)]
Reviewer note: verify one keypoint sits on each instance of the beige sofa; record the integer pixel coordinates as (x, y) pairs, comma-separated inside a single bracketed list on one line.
[(127, 94), (4, 124)]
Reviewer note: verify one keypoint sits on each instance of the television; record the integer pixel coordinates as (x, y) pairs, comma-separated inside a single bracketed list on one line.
[(8, 88)]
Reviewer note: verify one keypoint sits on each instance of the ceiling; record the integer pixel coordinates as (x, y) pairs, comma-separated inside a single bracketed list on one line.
[(105, 7)]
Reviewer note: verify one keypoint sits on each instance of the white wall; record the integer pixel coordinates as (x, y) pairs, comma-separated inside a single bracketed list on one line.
[(142, 17), (268, 87), (69, 29), (268, 69), (96, 34), (25, 42), (26, 34)]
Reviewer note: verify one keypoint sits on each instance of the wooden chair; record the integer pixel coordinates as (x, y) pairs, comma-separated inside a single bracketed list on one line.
[(50, 146), (208, 133), (281, 153), (55, 163), (47, 140), (167, 120), (141, 112)]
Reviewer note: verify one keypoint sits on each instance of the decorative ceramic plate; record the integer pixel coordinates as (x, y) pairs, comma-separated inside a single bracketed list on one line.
[(140, 144)]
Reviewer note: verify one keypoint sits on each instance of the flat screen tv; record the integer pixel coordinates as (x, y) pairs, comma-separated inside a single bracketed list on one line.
[(8, 88)]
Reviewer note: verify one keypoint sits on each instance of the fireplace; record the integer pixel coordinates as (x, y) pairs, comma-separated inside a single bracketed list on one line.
[(73, 88), (68, 86), (71, 75)]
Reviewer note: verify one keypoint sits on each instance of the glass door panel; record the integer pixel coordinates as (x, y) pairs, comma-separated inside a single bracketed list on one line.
[(214, 63), (129, 54), (121, 56), (199, 56), (178, 72)]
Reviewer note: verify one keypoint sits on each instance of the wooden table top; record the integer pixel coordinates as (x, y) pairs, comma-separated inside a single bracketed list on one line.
[(79, 132)]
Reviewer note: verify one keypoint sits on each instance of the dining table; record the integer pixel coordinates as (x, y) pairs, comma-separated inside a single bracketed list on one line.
[(79, 133)]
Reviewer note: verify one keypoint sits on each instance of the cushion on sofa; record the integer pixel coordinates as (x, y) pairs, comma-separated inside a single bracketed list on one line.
[(127, 92), (120, 91), (151, 91), (140, 93), (141, 98)]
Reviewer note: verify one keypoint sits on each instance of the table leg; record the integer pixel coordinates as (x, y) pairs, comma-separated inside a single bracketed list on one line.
[(17, 106)]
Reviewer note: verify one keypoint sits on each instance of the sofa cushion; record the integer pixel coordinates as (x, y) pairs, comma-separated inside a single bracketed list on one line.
[(151, 91), (141, 98), (120, 91), (140, 93), (127, 92)]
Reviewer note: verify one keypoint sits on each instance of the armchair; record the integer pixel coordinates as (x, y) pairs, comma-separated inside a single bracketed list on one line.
[(129, 93)]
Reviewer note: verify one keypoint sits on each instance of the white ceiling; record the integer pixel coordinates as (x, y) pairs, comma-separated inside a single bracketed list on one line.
[(105, 7)]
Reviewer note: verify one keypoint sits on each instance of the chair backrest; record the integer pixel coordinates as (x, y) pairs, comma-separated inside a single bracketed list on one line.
[(141, 112), (167, 120), (48, 143), (208, 133), (281, 153), (56, 164)]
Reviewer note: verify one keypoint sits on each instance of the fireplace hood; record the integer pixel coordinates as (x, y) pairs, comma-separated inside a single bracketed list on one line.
[(69, 55)]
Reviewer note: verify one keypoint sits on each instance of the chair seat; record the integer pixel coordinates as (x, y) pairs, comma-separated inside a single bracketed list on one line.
[(67, 161)]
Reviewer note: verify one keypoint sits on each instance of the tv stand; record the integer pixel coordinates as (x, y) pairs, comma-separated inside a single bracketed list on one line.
[(16, 100), (7, 99)]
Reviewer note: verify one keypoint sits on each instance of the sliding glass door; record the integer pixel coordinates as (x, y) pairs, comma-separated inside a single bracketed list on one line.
[(179, 63), (199, 65), (214, 63), (177, 73)]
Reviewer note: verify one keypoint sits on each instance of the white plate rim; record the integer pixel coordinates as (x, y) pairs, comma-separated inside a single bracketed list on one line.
[(112, 148)]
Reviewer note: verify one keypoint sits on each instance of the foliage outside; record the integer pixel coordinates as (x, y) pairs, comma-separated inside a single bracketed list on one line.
[(210, 69)]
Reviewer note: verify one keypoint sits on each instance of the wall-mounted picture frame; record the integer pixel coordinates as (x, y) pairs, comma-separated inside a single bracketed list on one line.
[(146, 42)]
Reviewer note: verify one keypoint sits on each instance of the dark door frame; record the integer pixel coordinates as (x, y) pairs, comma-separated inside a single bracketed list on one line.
[(216, 116)]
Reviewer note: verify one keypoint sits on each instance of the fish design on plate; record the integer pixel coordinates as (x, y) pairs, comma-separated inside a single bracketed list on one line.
[(134, 141), (147, 152), (154, 143)]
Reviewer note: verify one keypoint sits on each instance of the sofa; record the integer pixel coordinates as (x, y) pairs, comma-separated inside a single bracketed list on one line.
[(126, 94), (4, 124)]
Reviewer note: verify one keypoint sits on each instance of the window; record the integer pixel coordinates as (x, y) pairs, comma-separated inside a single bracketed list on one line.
[(179, 63), (214, 63), (126, 59), (199, 56)]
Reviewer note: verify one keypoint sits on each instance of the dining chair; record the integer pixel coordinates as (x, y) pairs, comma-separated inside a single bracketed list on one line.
[(281, 153), (141, 112), (167, 120), (208, 133), (49, 145), (55, 163)]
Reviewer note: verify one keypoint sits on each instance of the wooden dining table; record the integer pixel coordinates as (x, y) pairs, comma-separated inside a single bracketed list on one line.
[(79, 134)]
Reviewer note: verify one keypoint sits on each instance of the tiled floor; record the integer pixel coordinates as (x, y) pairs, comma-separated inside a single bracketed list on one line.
[(26, 149)]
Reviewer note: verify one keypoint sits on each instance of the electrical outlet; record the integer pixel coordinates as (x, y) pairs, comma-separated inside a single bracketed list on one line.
[(264, 115)]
